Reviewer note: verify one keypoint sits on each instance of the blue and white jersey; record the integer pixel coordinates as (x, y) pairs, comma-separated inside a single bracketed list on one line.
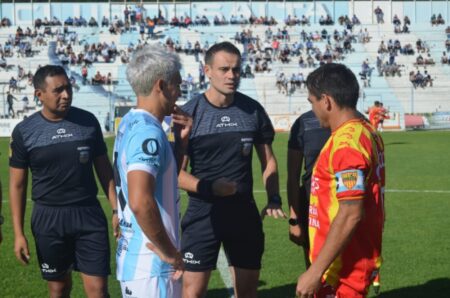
[(141, 145)]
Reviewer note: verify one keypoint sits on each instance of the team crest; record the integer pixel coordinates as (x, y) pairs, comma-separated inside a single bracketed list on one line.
[(349, 179)]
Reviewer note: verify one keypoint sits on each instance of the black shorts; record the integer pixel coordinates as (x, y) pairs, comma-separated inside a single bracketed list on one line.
[(229, 221), (71, 237)]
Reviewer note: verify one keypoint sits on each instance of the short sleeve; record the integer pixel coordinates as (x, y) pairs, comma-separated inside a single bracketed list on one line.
[(296, 136), (18, 155), (350, 168), (266, 133), (145, 151), (100, 146)]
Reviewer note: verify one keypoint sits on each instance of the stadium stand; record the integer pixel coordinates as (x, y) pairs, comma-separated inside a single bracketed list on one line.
[(354, 41)]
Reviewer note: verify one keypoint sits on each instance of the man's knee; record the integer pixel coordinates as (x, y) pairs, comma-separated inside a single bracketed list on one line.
[(95, 286), (195, 284), (59, 289)]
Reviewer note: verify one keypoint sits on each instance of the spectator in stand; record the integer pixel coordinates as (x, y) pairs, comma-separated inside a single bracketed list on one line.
[(396, 20), (444, 58), (406, 20), (379, 15)]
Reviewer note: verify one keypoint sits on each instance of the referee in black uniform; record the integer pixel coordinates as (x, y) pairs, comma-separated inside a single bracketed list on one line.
[(227, 125), (305, 143), (60, 145)]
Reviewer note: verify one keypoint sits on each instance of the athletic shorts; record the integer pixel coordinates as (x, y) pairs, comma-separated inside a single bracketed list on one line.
[(342, 291), (71, 237), (234, 223), (153, 287)]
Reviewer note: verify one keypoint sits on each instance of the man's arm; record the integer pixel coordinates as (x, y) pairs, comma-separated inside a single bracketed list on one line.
[(269, 170), (141, 188), (349, 215), (18, 179), (104, 172), (294, 169)]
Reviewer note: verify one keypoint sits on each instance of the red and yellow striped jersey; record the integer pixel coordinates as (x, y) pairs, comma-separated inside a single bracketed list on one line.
[(350, 167)]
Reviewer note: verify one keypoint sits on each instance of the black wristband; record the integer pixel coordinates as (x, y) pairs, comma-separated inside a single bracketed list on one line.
[(275, 199), (204, 187), (115, 211)]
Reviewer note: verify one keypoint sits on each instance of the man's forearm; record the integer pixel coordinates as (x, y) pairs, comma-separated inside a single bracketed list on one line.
[(17, 204), (270, 177), (149, 219)]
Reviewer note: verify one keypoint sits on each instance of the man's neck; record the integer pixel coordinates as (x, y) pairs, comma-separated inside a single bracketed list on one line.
[(218, 99), (343, 116), (149, 104), (52, 116)]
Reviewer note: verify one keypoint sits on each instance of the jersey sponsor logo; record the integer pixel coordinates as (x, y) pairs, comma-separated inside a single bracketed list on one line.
[(314, 185), (150, 147), (122, 246), (189, 258), (45, 268), (314, 217), (61, 134), (349, 180), (225, 121)]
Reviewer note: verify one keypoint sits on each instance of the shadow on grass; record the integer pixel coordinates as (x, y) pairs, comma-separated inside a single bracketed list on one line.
[(436, 288), (285, 291)]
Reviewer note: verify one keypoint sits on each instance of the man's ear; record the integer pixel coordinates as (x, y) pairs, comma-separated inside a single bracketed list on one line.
[(38, 93), (329, 102), (160, 85)]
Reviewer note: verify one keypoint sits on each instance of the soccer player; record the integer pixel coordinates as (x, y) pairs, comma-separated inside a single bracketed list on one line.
[(60, 145), (226, 126), (149, 263), (305, 142), (346, 212)]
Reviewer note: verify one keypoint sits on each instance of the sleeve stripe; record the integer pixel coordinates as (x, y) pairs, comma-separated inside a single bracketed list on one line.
[(141, 167)]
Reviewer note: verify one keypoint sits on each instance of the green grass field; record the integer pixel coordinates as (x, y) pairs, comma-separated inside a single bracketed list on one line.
[(416, 244)]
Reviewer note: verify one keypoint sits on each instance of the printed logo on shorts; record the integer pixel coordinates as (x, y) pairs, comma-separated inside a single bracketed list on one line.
[(189, 259), (45, 268)]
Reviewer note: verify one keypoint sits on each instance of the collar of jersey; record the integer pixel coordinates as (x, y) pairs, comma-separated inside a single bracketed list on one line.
[(149, 114)]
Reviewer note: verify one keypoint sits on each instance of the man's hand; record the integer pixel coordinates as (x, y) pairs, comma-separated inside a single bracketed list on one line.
[(308, 284), (297, 235), (115, 226), (273, 210), (182, 124), (223, 187), (21, 250), (176, 261)]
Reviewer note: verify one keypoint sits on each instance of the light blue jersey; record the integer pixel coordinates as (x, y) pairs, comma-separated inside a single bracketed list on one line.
[(141, 145)]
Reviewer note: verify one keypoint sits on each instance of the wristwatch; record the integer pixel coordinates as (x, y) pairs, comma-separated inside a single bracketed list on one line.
[(2, 220), (293, 221)]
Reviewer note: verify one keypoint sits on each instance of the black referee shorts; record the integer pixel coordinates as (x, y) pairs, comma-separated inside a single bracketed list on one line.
[(71, 237), (234, 223)]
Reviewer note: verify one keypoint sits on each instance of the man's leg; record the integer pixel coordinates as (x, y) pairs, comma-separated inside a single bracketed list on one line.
[(195, 284), (95, 286), (245, 282), (60, 288)]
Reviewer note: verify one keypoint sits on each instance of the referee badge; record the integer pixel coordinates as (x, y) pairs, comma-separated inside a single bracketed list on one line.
[(84, 154), (246, 148)]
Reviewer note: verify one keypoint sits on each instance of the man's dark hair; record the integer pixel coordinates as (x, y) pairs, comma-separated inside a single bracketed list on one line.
[(225, 46), (337, 81), (47, 71)]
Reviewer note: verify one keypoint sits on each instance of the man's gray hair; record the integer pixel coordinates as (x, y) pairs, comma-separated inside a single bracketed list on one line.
[(149, 64)]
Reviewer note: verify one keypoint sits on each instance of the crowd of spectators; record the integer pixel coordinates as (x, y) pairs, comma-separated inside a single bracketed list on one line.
[(418, 79), (436, 21), (398, 28)]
